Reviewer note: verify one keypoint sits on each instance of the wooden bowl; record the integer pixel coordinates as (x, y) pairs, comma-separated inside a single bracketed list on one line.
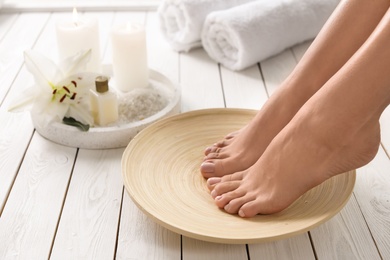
[(160, 168)]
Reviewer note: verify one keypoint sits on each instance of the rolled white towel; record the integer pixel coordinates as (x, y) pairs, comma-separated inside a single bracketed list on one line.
[(247, 34), (181, 21)]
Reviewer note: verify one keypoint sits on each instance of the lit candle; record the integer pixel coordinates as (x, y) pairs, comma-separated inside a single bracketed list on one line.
[(79, 34), (129, 58)]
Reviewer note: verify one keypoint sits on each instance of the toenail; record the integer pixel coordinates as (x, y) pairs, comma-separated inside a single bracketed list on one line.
[(207, 167), (213, 194), (218, 197), (241, 213), (208, 150), (212, 156), (219, 144), (227, 207), (214, 180)]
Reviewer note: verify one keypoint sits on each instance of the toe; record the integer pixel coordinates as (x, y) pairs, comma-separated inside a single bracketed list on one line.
[(212, 149), (224, 187), (214, 155), (211, 182), (208, 150), (225, 166), (223, 200), (216, 167), (218, 154), (238, 176), (216, 146), (207, 169), (235, 204), (211, 156), (220, 144), (250, 209)]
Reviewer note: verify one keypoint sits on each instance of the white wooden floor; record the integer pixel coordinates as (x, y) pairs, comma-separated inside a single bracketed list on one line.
[(65, 203)]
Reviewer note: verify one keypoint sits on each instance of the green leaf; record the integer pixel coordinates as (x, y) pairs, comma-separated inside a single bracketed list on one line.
[(73, 122)]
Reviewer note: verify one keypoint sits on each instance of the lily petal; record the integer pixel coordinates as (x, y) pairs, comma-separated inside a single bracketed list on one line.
[(49, 112), (59, 90), (81, 114), (23, 101), (75, 63), (84, 81), (44, 70)]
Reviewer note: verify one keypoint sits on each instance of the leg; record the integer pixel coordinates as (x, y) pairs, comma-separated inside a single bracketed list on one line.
[(328, 53), (335, 131)]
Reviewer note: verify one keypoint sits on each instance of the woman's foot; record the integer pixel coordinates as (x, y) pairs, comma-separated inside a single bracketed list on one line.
[(335, 131), (331, 49), (241, 149), (313, 147)]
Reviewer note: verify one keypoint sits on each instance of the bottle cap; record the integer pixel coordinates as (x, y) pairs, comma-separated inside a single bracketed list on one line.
[(101, 83)]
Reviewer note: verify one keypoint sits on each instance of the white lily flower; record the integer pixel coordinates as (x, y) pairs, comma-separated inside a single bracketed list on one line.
[(59, 91)]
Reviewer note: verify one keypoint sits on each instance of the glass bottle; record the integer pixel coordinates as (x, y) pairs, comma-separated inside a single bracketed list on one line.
[(104, 102)]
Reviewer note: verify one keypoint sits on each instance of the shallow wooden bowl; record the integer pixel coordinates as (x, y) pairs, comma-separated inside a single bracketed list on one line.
[(160, 169)]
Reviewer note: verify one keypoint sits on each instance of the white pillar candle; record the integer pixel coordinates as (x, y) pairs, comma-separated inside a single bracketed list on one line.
[(129, 57), (79, 34)]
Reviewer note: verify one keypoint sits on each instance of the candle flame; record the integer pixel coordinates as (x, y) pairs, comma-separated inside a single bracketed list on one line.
[(75, 16)]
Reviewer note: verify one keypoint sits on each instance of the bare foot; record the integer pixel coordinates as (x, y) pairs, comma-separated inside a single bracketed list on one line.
[(335, 131), (331, 49), (241, 149), (313, 147)]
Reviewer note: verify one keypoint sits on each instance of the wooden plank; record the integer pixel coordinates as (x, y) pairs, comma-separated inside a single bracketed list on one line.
[(200, 81), (385, 130), (198, 250), (276, 69), (160, 55), (345, 236), (21, 36), (15, 134), (372, 192), (244, 89), (89, 221), (6, 21), (298, 247), (139, 237), (88, 226), (300, 49), (202, 88), (18, 128), (29, 219)]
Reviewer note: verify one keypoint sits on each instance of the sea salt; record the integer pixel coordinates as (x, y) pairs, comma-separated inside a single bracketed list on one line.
[(142, 103)]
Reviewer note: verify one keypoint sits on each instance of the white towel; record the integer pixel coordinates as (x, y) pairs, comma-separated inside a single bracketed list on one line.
[(247, 34), (181, 21)]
